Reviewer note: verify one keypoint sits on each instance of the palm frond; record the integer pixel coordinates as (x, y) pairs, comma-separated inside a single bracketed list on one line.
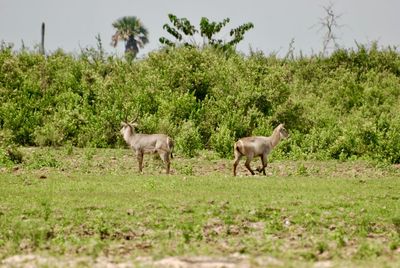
[(130, 30)]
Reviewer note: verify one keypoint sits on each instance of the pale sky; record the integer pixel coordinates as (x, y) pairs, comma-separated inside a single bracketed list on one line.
[(73, 24)]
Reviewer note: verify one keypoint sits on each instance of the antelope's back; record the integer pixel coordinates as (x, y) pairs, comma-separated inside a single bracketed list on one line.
[(151, 141), (255, 144)]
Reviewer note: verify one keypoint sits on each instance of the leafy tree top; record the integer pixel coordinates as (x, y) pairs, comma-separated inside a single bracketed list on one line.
[(130, 30), (185, 33)]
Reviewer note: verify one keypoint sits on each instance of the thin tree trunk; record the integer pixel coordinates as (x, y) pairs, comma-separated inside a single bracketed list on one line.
[(131, 46), (42, 43)]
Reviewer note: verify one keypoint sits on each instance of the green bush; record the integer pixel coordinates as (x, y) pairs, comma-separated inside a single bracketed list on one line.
[(188, 140), (344, 106), (43, 159), (10, 156), (222, 141)]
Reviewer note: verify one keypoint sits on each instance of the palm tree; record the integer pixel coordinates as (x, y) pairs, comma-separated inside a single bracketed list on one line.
[(130, 30)]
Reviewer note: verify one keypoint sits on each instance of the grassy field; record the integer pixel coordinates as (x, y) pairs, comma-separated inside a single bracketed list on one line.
[(87, 207)]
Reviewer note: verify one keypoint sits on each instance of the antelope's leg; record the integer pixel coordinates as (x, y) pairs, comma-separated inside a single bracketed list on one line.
[(165, 158), (263, 163), (139, 156), (260, 168), (238, 156), (247, 164)]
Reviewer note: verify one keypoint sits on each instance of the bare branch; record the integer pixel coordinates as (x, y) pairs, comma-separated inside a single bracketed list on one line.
[(329, 24)]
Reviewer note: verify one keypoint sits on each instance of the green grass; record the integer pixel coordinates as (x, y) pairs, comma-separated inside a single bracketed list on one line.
[(80, 203)]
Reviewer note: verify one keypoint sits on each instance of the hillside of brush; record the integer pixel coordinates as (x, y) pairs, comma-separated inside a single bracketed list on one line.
[(342, 106)]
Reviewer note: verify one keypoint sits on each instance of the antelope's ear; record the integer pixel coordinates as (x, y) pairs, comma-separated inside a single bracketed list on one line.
[(123, 124), (134, 124)]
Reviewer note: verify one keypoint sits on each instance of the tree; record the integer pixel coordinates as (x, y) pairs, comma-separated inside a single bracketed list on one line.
[(329, 23), (185, 33), (130, 30), (41, 50)]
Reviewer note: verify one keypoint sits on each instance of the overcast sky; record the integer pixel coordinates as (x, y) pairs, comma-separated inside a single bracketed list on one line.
[(72, 24)]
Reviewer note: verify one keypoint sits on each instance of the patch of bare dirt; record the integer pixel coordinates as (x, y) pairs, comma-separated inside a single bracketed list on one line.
[(104, 161), (237, 261)]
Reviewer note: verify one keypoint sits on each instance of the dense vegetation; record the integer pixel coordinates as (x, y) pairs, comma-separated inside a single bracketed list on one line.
[(343, 106)]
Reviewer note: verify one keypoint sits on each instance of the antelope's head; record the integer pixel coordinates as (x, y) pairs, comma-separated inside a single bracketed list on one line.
[(128, 128), (283, 133)]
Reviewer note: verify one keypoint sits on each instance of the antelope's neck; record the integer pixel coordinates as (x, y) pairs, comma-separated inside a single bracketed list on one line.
[(128, 135), (275, 138)]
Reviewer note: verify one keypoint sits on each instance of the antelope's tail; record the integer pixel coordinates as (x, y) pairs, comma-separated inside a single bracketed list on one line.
[(236, 147), (170, 143)]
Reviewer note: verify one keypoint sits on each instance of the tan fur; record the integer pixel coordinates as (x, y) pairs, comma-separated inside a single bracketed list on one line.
[(257, 146), (148, 143)]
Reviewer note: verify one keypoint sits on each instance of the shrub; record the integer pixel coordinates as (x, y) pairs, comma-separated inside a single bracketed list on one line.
[(188, 140), (222, 141), (10, 156), (4, 159), (343, 106), (15, 155)]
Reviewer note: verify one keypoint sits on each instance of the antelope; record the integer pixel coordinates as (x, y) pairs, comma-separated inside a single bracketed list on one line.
[(257, 146), (148, 143)]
